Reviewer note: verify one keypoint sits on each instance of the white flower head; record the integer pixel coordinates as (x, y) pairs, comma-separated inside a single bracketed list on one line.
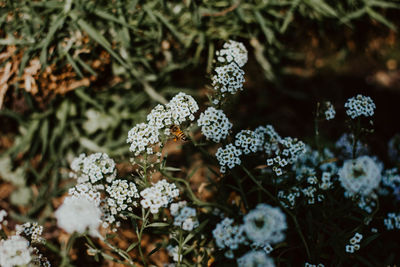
[(15, 251), (359, 106), (233, 52), (33, 231), (255, 258), (78, 214), (249, 141), (160, 195), (228, 156), (121, 196), (265, 224), (141, 137), (228, 79), (182, 108), (360, 176), (227, 235), (184, 216), (214, 124), (93, 168)]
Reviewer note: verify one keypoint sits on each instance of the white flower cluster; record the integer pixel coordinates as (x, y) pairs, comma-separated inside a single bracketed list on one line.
[(93, 168), (255, 258), (265, 224), (288, 200), (78, 214), (173, 251), (330, 111), (228, 156), (121, 195), (182, 108), (227, 235), (214, 124), (313, 265), (86, 190), (249, 141), (228, 79), (345, 144), (269, 139), (233, 51), (360, 106), (142, 138), (392, 221), (158, 195), (287, 152), (391, 180), (32, 231), (360, 176), (184, 216), (3, 214), (15, 251), (354, 243)]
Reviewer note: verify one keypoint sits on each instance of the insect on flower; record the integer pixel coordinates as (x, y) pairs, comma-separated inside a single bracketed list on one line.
[(177, 133)]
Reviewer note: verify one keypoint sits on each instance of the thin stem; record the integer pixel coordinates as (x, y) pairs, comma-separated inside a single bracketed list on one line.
[(180, 247), (296, 223), (139, 233), (316, 128)]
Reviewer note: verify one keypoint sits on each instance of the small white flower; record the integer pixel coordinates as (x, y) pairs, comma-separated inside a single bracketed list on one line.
[(141, 137), (330, 111), (249, 141)]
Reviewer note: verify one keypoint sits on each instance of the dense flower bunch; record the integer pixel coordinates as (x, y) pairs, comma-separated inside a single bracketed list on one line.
[(228, 79), (142, 138), (184, 216), (33, 231), (255, 258), (232, 51), (345, 145), (78, 214), (360, 106), (228, 156), (248, 141), (121, 196), (360, 176), (214, 124), (15, 251), (159, 195), (227, 235), (287, 152), (265, 224), (93, 168)]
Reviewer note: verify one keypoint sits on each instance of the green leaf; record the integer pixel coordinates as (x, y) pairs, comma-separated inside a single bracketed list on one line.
[(158, 224)]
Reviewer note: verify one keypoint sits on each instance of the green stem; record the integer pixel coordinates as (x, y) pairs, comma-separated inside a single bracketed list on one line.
[(296, 223), (180, 247), (139, 233)]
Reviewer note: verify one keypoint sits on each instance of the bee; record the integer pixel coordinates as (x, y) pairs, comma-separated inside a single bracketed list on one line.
[(177, 133)]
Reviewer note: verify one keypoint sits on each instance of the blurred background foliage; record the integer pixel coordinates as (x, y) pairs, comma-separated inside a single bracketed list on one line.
[(76, 75)]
